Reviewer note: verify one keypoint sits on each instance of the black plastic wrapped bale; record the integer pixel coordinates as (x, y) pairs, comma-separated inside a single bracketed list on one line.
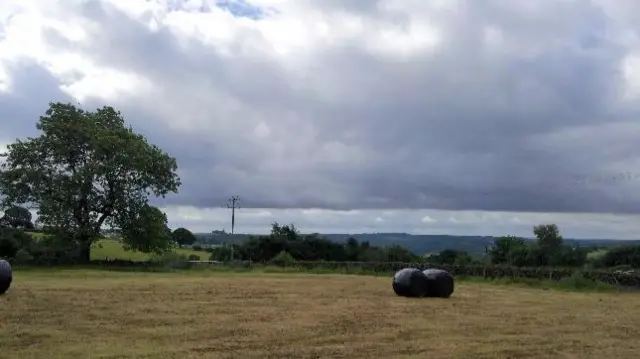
[(6, 276), (410, 282), (439, 282)]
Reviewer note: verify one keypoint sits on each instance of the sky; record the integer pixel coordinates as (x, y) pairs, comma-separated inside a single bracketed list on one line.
[(348, 116)]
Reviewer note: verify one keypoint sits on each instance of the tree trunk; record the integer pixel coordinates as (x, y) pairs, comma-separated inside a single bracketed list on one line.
[(84, 247)]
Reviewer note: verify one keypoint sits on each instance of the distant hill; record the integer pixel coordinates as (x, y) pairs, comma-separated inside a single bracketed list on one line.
[(419, 244)]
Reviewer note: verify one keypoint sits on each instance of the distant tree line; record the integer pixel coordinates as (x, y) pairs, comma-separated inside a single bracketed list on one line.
[(286, 240), (285, 244), (548, 250)]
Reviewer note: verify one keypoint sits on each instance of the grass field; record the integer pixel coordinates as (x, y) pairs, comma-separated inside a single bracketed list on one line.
[(95, 314), (112, 249), (597, 254)]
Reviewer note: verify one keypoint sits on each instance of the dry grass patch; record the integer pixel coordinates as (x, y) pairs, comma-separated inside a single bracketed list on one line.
[(92, 314)]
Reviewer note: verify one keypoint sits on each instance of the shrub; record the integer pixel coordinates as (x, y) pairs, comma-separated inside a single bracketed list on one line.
[(8, 244), (169, 257), (13, 240), (623, 255), (283, 259), (193, 257), (580, 282), (23, 257)]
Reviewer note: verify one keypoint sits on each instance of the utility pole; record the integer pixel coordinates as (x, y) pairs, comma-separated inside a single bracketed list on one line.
[(233, 204)]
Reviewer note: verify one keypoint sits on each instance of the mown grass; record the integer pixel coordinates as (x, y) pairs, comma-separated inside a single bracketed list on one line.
[(207, 314)]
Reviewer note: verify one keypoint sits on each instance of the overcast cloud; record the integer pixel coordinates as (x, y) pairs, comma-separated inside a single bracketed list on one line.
[(448, 116)]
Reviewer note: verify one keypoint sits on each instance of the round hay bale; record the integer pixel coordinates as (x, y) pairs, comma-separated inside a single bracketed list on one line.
[(440, 283), (6, 276), (410, 282)]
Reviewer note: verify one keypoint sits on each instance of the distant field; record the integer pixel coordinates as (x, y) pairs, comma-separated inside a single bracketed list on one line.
[(597, 254), (112, 249), (81, 314)]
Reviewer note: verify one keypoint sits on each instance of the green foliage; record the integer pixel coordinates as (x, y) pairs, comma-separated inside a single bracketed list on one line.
[(147, 231), (17, 217), (287, 232), (8, 243), (310, 247), (506, 249), (578, 281), (20, 247), (397, 253), (623, 256), (548, 237), (520, 255), (225, 252), (569, 256), (573, 283), (112, 249), (12, 240), (450, 256), (352, 249), (23, 257), (183, 236), (85, 170), (59, 249), (283, 259), (547, 250), (171, 259)]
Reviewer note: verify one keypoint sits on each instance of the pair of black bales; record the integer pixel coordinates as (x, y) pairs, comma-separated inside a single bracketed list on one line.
[(412, 282)]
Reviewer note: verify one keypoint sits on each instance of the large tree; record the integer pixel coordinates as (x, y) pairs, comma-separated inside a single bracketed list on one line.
[(148, 227), (548, 237), (505, 248), (183, 236), (87, 170), (17, 217)]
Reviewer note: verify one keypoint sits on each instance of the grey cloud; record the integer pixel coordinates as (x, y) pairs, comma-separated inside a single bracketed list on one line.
[(32, 89), (465, 127)]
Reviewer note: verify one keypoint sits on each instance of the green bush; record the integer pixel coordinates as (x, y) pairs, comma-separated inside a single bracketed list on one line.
[(169, 257), (23, 257), (578, 281), (8, 243), (20, 247), (283, 259), (55, 249)]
